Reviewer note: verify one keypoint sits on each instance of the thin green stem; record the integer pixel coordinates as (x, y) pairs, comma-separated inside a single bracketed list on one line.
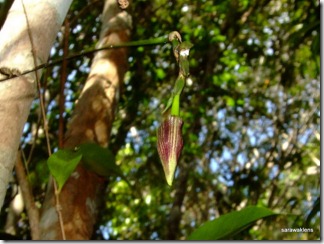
[(150, 42), (175, 109)]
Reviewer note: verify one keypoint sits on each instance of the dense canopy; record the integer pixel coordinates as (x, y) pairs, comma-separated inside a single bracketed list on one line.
[(251, 112)]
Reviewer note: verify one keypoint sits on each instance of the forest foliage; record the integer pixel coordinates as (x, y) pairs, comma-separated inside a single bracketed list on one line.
[(251, 112)]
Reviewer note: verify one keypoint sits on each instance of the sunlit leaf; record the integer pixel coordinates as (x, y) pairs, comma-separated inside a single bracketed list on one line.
[(61, 165)]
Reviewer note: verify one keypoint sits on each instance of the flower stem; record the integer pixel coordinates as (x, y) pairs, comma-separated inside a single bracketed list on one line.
[(175, 109)]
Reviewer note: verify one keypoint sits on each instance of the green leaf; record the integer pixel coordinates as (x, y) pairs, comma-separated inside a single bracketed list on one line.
[(61, 165), (99, 160), (230, 224)]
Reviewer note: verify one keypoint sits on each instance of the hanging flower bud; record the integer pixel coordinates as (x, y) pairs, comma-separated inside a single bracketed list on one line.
[(169, 144)]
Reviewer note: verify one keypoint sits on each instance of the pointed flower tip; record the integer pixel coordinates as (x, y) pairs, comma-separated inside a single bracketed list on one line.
[(170, 144), (169, 173), (169, 181)]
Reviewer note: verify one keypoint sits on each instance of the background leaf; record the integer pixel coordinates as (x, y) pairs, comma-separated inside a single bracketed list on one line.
[(61, 165), (230, 224), (99, 160)]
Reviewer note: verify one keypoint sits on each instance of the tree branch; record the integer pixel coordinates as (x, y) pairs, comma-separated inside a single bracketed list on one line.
[(32, 210)]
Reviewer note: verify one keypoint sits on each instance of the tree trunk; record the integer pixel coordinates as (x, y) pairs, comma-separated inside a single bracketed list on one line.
[(91, 121), (45, 17)]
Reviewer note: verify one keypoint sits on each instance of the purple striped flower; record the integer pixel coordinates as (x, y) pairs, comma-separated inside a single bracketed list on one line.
[(169, 144)]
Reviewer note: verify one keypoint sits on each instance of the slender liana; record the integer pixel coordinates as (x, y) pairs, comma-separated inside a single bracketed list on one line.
[(169, 134)]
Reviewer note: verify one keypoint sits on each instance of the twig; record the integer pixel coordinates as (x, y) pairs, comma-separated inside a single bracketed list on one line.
[(41, 99), (62, 82)]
